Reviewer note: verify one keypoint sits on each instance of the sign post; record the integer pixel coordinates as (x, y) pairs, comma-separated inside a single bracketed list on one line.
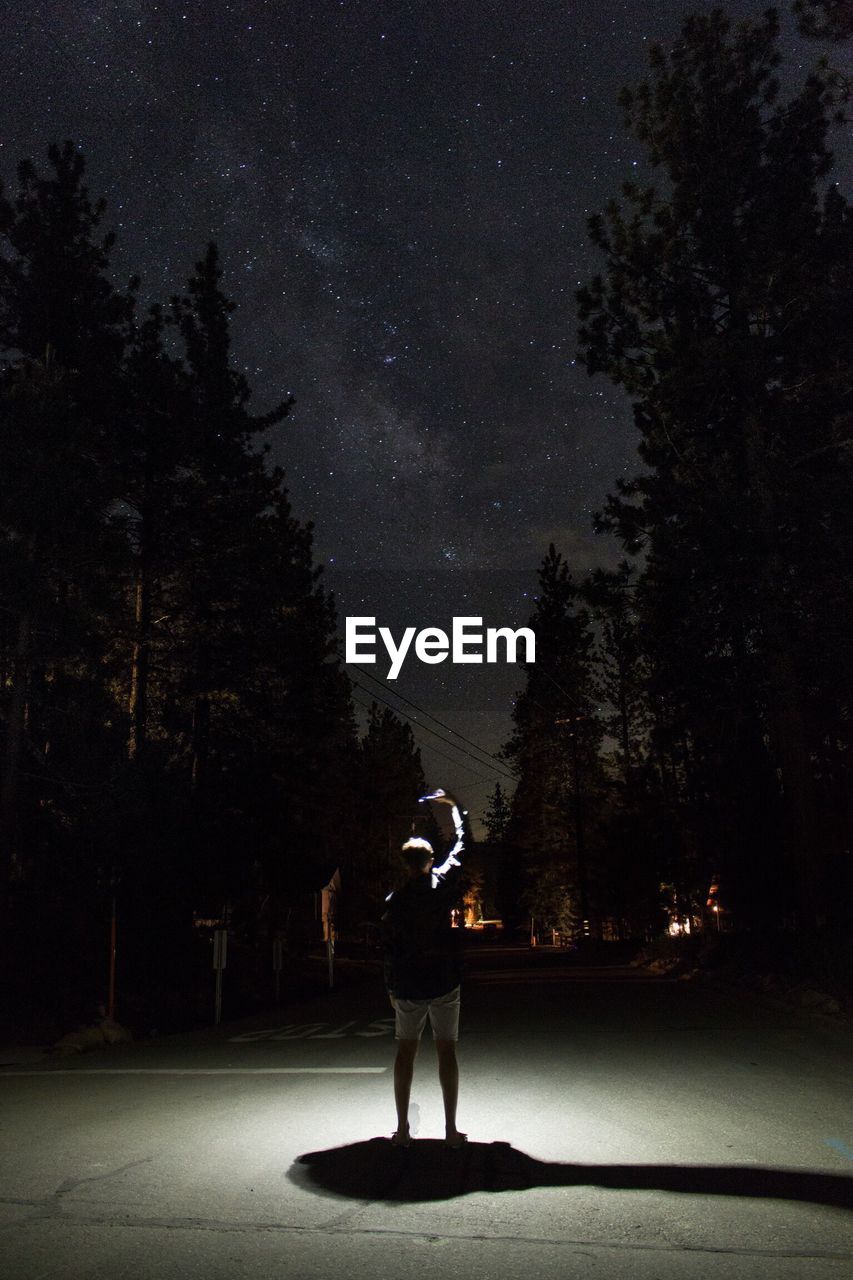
[(220, 949), (111, 995)]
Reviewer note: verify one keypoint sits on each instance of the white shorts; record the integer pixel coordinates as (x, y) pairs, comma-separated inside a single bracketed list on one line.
[(411, 1016)]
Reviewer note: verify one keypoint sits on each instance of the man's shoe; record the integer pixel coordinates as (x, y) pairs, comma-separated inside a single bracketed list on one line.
[(456, 1140)]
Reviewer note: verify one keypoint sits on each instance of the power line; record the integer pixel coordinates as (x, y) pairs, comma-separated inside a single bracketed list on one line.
[(398, 711), (456, 763), (423, 711), (462, 750)]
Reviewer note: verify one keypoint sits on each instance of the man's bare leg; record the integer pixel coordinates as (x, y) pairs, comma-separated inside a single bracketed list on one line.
[(448, 1075), (404, 1070)]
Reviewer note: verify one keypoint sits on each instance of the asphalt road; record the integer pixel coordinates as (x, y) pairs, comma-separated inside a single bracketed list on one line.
[(618, 1127)]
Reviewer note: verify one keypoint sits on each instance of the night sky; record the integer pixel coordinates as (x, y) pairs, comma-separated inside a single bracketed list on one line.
[(399, 192)]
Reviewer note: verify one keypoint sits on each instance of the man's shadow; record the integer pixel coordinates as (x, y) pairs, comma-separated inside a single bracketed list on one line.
[(376, 1170)]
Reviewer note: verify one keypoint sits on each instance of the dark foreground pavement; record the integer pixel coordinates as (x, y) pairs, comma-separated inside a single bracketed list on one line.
[(619, 1127)]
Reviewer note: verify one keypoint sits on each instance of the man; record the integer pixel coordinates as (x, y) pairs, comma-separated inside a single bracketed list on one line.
[(423, 967)]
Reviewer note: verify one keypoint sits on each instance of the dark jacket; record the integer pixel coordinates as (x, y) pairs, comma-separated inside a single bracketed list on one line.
[(423, 952)]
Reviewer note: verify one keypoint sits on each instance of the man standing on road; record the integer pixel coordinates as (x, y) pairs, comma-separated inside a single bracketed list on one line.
[(423, 968)]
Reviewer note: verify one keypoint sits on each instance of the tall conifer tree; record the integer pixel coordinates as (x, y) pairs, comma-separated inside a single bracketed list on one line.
[(63, 327), (554, 750), (721, 312)]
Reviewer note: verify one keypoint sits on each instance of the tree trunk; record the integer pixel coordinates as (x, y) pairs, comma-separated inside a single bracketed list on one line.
[(138, 702), (580, 851), (625, 723), (15, 729), (200, 739)]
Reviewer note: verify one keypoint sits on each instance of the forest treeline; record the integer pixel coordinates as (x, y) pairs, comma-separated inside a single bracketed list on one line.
[(178, 732), (720, 767)]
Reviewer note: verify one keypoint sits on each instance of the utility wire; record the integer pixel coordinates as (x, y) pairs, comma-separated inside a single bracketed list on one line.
[(426, 728), (462, 750), (377, 680), (456, 763)]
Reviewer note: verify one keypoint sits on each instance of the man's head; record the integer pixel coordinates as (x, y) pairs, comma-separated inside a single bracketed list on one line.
[(417, 855)]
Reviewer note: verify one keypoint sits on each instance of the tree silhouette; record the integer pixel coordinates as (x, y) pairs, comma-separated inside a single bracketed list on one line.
[(177, 729), (62, 325), (721, 312), (555, 752)]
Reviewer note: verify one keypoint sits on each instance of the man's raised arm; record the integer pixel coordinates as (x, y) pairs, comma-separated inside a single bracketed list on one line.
[(440, 796)]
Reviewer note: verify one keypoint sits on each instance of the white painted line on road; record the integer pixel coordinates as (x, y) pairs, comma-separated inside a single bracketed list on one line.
[(200, 1071), (841, 1147)]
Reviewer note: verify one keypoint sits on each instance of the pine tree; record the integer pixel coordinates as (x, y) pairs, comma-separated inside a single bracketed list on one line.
[(54, 277), (620, 664), (392, 780), (63, 329), (164, 628), (231, 487), (286, 752), (555, 752), (496, 816), (721, 312), (158, 457)]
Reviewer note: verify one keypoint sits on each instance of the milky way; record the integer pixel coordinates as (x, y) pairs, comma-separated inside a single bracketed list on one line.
[(400, 194)]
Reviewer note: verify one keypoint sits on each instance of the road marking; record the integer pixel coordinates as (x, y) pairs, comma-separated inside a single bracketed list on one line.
[(841, 1147), (199, 1071)]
